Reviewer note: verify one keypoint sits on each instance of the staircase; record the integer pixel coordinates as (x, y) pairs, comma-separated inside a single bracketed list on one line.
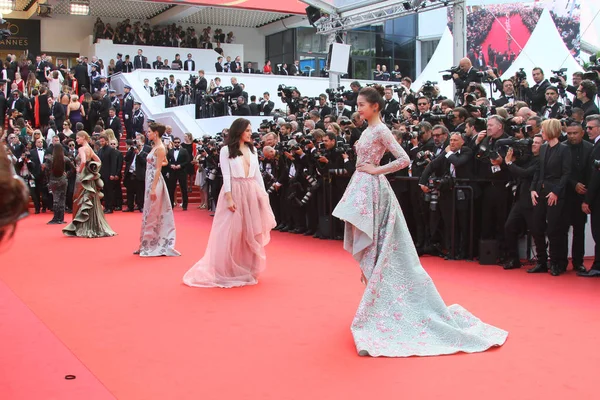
[(194, 198)]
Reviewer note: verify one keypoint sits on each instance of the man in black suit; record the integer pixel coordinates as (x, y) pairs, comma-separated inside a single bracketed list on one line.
[(236, 90), (178, 159), (202, 83), (57, 113), (137, 120), (267, 105), (254, 107), (140, 60), (40, 187), (587, 94), (177, 63), (127, 65), (249, 69), (536, 95), (81, 74), (116, 182), (148, 88), (40, 69), (3, 102), (14, 145), (467, 75), (158, 64), (391, 108), (113, 122), (576, 189), (135, 176), (108, 172), (189, 64), (591, 202), (553, 108), (295, 69), (521, 213), (241, 108), (114, 100), (219, 64), (508, 93), (324, 109), (236, 65), (119, 63), (128, 111), (105, 105), (341, 110)]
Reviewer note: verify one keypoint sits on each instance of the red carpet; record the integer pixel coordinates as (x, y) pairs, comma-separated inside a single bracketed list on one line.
[(498, 36), (128, 326)]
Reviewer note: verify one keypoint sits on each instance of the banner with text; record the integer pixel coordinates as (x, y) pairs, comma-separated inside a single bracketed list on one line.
[(24, 35)]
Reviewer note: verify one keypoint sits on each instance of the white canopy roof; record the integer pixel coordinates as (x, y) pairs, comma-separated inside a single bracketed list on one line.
[(442, 59)]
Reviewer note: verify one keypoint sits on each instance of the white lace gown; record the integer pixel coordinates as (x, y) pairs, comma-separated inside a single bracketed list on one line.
[(401, 313)]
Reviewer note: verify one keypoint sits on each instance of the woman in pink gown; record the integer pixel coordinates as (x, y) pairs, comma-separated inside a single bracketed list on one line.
[(235, 254)]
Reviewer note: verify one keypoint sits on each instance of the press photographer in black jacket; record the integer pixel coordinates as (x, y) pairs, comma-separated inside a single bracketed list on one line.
[(466, 75), (548, 197), (520, 217), (455, 162), (536, 95)]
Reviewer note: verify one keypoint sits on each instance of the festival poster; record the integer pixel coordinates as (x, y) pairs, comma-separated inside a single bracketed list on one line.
[(496, 33)]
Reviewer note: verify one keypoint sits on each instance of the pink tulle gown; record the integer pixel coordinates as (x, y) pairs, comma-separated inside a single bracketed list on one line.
[(235, 255)]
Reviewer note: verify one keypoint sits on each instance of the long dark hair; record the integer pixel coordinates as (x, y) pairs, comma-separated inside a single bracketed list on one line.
[(233, 138), (58, 160)]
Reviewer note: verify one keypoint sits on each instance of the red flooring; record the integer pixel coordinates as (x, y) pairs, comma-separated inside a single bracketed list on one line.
[(498, 36), (129, 328)]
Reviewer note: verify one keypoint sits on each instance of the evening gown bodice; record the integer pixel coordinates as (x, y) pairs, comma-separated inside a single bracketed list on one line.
[(401, 312)]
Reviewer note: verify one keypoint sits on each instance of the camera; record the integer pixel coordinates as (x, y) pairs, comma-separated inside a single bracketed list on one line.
[(557, 75), (285, 90), (521, 75), (428, 88), (436, 185), (451, 70), (424, 157)]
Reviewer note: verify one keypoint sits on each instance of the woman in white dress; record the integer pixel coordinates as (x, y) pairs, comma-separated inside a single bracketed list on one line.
[(235, 254)]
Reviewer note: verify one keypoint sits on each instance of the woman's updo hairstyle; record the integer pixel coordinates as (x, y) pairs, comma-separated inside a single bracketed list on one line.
[(374, 95)]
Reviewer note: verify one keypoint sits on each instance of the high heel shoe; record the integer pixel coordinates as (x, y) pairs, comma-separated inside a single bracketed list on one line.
[(137, 252)]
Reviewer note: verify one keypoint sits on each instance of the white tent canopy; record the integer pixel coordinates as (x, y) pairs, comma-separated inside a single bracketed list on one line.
[(442, 59), (544, 49)]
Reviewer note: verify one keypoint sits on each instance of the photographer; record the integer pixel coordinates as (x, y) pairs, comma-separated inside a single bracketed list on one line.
[(576, 79), (266, 105), (576, 189), (454, 162), (291, 96), (293, 162), (341, 110), (391, 108), (548, 198), (535, 95), (350, 98), (465, 75), (553, 108), (336, 167), (586, 93), (489, 166), (520, 218), (350, 132), (135, 175), (241, 108), (508, 94), (324, 109), (269, 166)]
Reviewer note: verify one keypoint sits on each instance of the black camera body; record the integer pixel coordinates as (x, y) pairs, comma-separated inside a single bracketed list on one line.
[(561, 73)]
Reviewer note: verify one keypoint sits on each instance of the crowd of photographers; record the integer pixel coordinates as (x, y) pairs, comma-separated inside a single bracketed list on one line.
[(484, 171)]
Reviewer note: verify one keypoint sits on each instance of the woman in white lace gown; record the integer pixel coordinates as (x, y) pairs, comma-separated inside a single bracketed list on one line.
[(401, 313), (157, 237)]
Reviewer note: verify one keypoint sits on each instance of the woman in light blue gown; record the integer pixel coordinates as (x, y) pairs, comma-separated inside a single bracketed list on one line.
[(401, 313)]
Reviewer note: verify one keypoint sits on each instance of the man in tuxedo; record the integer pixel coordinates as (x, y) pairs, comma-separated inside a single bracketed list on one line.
[(508, 93), (236, 90), (267, 105), (108, 172), (236, 65), (104, 104), (140, 60), (119, 63), (576, 189), (391, 108), (467, 75), (324, 109), (341, 110), (40, 187), (521, 212), (536, 95), (116, 182), (128, 111), (17, 102), (553, 108), (137, 119), (189, 64), (587, 94), (202, 83), (113, 122), (241, 108), (15, 146), (127, 65), (591, 202), (219, 64), (148, 88), (454, 161), (178, 159), (254, 107), (81, 75), (135, 176), (57, 113), (177, 63), (244, 93), (158, 64), (40, 69), (295, 69), (249, 69)]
